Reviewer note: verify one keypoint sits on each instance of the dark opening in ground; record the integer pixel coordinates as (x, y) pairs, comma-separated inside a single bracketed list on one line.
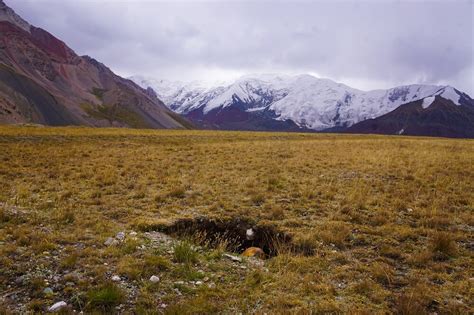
[(237, 234)]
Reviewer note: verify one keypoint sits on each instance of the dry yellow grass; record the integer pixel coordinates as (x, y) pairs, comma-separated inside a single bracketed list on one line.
[(389, 220)]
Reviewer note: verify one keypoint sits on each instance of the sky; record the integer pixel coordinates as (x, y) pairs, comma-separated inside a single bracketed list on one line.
[(364, 44)]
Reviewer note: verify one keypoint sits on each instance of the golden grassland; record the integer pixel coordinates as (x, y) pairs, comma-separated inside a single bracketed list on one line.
[(390, 221)]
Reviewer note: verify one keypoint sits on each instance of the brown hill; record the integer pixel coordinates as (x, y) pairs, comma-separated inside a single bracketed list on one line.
[(43, 81)]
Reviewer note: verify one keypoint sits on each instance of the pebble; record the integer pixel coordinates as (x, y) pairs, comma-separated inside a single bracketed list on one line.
[(133, 233), (120, 236), (198, 282), (116, 278), (48, 291), (57, 306), (154, 279), (250, 234), (20, 280), (110, 241)]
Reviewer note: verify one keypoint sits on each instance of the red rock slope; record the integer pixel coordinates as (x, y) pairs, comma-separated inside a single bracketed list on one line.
[(43, 81)]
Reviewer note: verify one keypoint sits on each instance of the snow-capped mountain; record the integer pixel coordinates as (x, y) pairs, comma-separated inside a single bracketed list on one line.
[(305, 101)]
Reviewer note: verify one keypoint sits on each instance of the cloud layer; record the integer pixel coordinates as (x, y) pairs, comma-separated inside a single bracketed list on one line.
[(369, 44)]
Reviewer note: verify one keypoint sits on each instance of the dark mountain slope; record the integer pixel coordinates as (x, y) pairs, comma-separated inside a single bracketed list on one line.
[(442, 118)]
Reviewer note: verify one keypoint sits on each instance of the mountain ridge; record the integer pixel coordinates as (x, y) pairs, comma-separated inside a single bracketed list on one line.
[(308, 102), (431, 116), (44, 81)]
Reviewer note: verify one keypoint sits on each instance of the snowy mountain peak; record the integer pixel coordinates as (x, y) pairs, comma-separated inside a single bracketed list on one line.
[(450, 93), (308, 101)]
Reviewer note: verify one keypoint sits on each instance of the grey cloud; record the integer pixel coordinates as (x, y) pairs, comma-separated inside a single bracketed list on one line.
[(374, 43)]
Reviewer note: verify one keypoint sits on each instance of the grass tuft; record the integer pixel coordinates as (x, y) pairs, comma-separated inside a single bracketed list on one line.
[(185, 253), (105, 297)]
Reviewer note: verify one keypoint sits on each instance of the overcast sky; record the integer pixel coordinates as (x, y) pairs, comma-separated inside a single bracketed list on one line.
[(365, 44)]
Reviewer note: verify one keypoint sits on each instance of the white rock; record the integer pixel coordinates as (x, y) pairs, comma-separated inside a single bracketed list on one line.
[(250, 234), (233, 258), (211, 285), (110, 241), (57, 306), (154, 279), (120, 236), (133, 233), (116, 278)]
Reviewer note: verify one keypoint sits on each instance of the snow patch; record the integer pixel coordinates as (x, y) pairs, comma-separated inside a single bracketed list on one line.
[(427, 101), (256, 109), (450, 94)]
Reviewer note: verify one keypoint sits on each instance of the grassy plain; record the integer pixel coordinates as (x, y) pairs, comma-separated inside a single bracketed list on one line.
[(390, 221)]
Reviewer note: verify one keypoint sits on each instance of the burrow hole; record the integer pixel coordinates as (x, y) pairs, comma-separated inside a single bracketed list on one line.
[(237, 234)]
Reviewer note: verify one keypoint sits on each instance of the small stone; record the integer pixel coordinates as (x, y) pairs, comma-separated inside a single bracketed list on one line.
[(409, 210), (211, 285), (116, 278), (20, 280), (205, 279), (120, 236), (48, 291), (198, 282), (250, 234), (163, 305), (110, 241), (154, 279), (57, 306), (133, 233), (233, 258)]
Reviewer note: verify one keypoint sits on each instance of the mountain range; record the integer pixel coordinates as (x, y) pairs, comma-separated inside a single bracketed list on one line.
[(43, 81), (308, 103)]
